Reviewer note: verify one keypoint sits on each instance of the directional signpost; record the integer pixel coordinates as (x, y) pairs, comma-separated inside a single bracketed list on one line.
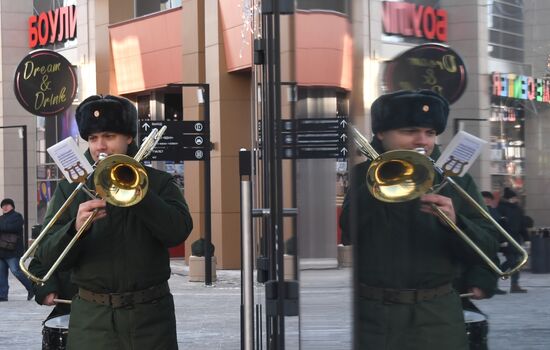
[(313, 138), (183, 140)]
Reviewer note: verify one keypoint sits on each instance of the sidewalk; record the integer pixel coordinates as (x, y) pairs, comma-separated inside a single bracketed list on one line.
[(208, 317)]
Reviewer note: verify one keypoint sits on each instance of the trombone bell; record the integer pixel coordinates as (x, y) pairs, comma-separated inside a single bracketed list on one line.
[(121, 180), (401, 175)]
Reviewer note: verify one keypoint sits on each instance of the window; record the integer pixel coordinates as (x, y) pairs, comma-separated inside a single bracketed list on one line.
[(145, 7), (173, 107), (506, 30), (144, 107), (341, 6), (507, 122)]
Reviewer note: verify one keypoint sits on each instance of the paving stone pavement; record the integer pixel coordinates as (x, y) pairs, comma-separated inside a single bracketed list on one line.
[(208, 317)]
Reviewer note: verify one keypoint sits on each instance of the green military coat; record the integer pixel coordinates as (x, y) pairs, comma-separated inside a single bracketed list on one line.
[(401, 247), (123, 252)]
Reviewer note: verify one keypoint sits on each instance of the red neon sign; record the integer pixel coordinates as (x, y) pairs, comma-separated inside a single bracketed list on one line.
[(406, 19), (53, 26)]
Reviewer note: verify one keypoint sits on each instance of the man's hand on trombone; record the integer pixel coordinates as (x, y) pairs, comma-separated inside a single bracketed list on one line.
[(445, 204), (86, 209)]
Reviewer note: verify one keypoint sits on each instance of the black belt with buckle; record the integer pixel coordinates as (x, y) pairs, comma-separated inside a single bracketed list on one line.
[(127, 299), (403, 296)]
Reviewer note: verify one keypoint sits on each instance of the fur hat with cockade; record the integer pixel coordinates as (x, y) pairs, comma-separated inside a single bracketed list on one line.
[(100, 113), (404, 108)]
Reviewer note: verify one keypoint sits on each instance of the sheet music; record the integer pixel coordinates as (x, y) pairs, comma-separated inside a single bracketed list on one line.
[(461, 153), (70, 160)]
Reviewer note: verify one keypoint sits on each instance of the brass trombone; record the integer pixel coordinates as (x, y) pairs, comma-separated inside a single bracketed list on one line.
[(402, 175), (119, 179)]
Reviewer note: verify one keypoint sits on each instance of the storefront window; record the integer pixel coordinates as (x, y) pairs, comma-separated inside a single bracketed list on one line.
[(144, 106), (173, 107), (49, 131), (507, 146)]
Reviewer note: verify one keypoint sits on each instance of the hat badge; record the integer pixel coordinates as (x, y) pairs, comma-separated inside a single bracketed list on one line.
[(96, 113), (425, 108)]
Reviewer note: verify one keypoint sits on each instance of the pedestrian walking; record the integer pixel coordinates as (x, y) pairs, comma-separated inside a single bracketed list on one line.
[(11, 248)]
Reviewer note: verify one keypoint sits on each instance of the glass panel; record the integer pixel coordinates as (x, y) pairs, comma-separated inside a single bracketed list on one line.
[(341, 6), (515, 12)]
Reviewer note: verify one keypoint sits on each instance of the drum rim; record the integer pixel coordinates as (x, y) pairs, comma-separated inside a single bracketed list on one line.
[(60, 322), (473, 317)]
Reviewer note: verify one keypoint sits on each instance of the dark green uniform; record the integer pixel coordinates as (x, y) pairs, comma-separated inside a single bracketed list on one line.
[(400, 247), (124, 252)]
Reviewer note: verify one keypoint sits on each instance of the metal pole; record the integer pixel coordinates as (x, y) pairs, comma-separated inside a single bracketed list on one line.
[(207, 185), (207, 199), (25, 188), (277, 183), (247, 261)]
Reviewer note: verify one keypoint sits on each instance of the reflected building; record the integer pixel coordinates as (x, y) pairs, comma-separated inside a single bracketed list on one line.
[(506, 58), (330, 50)]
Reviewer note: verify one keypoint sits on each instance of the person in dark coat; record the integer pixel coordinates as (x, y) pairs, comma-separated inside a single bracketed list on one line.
[(407, 257), (12, 222), (121, 264), (489, 199), (516, 227)]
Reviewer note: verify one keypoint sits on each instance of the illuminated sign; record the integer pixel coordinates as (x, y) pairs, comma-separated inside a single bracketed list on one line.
[(412, 20), (53, 26), (45, 83), (431, 66), (520, 86)]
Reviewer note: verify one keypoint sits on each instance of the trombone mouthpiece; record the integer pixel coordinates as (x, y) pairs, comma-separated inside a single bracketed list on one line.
[(420, 150), (102, 156)]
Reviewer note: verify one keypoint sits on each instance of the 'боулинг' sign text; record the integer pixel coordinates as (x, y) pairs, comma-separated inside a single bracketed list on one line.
[(45, 83), (53, 26), (412, 20)]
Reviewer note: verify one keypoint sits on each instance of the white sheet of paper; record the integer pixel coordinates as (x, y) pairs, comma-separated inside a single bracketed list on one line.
[(70, 160), (460, 154)]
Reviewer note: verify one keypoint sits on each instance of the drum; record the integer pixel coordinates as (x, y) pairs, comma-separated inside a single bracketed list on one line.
[(477, 329), (54, 333)]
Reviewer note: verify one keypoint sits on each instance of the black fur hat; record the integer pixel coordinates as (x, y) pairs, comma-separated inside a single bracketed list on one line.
[(404, 108), (7, 201), (100, 113)]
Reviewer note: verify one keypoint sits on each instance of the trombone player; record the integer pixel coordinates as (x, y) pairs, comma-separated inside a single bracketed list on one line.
[(407, 257), (121, 262)]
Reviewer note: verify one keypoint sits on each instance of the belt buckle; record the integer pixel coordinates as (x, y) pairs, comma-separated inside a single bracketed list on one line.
[(389, 296), (399, 296), (414, 293), (121, 300)]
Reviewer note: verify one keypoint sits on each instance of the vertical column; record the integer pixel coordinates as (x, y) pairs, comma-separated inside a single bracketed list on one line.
[(468, 35), (14, 46), (204, 61)]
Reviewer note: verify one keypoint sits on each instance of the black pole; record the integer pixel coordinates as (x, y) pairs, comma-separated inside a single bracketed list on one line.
[(277, 199), (25, 189), (207, 186), (207, 199)]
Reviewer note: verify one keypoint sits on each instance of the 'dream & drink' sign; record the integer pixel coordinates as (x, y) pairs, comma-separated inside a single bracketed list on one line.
[(45, 83), (429, 66)]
